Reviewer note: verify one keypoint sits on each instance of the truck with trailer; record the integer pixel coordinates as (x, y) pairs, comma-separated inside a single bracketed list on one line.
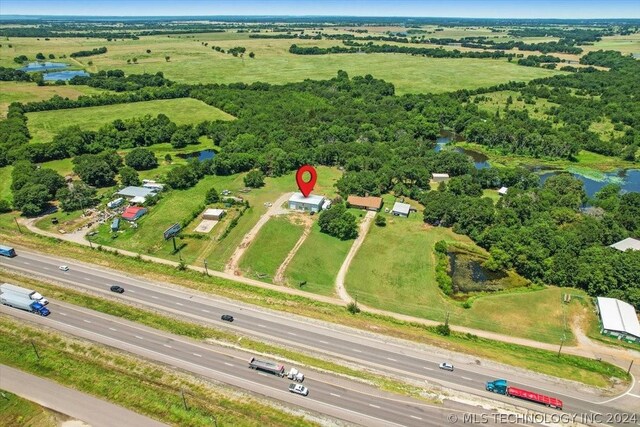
[(502, 387), (7, 251), (270, 367), (23, 303), (28, 293)]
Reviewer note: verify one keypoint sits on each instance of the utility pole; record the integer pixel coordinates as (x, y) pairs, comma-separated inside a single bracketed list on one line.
[(561, 342), (18, 224), (206, 270), (90, 243), (184, 401), (35, 350), (630, 365)]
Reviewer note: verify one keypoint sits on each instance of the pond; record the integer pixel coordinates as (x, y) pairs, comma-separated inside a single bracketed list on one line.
[(469, 275), (43, 66), (63, 75), (629, 179), (480, 161), (200, 155)]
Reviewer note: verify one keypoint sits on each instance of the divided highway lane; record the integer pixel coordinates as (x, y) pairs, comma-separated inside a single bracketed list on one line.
[(336, 397), (361, 348)]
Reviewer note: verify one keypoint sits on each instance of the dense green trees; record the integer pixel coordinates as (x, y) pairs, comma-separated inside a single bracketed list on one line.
[(254, 179), (98, 170), (141, 159), (212, 196), (129, 176), (337, 222), (33, 188), (76, 196), (96, 51)]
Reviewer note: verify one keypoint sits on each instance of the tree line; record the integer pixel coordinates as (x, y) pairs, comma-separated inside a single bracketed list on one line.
[(96, 51)]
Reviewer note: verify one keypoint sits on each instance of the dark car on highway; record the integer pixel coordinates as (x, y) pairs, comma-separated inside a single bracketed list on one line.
[(118, 289), (227, 318)]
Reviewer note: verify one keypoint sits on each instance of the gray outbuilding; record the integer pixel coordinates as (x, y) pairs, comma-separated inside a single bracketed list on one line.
[(312, 203), (401, 209)]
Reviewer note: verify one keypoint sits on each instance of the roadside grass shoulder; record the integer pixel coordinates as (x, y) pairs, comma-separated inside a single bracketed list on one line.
[(17, 411), (599, 375), (317, 262), (133, 383), (270, 247), (43, 125)]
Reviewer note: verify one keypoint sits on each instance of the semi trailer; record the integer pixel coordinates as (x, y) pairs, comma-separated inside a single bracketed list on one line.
[(271, 367), (23, 303), (502, 387), (28, 293)]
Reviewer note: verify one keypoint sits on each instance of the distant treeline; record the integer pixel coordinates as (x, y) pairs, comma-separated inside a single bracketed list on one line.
[(354, 47), (116, 80), (96, 51), (11, 74)]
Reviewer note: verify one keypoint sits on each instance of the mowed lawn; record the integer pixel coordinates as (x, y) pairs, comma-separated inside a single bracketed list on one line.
[(193, 62), (270, 247), (44, 125), (30, 92), (395, 270), (317, 262)]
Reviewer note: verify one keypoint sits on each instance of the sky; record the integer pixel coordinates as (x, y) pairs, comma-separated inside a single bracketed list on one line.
[(561, 9)]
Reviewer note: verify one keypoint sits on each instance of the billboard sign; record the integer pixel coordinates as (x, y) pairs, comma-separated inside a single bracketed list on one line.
[(172, 231)]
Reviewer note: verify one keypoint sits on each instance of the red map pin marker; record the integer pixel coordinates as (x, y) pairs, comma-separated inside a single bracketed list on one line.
[(306, 186)]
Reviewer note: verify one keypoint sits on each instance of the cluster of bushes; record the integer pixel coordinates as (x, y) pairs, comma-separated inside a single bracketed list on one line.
[(444, 280), (337, 222), (116, 80)]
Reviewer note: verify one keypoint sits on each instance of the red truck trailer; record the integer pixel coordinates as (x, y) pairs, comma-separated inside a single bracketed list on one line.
[(501, 386), (534, 397)]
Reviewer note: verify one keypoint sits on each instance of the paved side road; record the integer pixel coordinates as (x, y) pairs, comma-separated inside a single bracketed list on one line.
[(93, 411)]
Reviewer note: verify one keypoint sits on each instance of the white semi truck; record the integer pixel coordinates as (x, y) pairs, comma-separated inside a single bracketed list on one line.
[(23, 303), (28, 293)]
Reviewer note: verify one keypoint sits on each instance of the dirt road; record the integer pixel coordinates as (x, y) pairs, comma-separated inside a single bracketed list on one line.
[(364, 229), (275, 209)]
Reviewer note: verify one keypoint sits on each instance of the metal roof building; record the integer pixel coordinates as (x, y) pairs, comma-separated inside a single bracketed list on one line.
[(618, 319), (628, 243), (132, 191), (312, 203), (401, 209)]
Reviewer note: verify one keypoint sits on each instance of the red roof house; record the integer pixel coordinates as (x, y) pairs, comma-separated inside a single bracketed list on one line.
[(132, 213)]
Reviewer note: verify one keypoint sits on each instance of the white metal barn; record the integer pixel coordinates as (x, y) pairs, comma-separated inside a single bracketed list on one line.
[(618, 319)]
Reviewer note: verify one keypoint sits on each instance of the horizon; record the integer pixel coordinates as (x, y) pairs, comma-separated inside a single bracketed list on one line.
[(456, 9)]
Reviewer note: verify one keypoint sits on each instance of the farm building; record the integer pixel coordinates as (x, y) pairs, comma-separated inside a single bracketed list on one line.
[(628, 243), (618, 319), (368, 203), (138, 193), (213, 214), (132, 213), (115, 203), (503, 191), (401, 209), (439, 177), (312, 203), (152, 185)]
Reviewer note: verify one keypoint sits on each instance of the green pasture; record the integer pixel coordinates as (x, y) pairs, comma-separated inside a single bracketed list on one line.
[(270, 247), (395, 270), (43, 125), (17, 411), (30, 92), (317, 262), (192, 62)]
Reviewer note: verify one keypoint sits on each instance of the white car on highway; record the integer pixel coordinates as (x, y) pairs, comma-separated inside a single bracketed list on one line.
[(299, 389), (446, 366), (64, 268)]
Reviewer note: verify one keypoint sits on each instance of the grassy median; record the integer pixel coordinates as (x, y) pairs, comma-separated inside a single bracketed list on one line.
[(141, 386)]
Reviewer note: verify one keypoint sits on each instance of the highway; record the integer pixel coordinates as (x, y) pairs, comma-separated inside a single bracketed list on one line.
[(400, 358), (339, 398)]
